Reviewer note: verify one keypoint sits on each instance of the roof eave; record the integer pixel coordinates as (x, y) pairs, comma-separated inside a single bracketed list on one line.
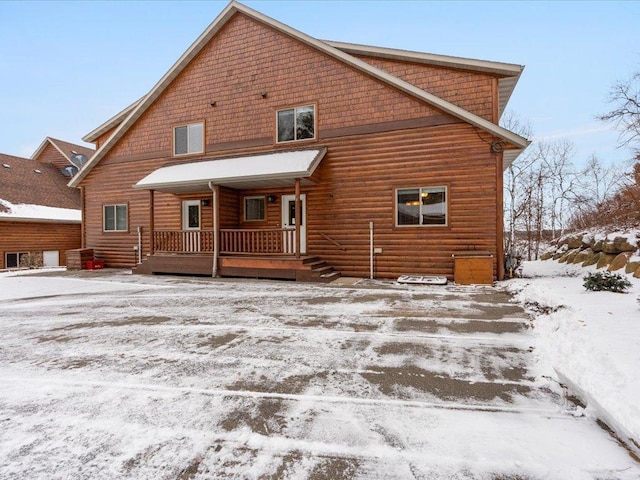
[(114, 121), (38, 220), (485, 66)]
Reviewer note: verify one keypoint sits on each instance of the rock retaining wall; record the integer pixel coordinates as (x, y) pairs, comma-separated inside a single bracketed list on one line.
[(615, 252)]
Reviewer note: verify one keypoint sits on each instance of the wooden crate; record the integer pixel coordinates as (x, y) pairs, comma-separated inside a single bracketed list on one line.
[(77, 258), (473, 269)]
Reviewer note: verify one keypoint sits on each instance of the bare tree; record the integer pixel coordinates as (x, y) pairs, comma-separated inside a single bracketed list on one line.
[(513, 179), (626, 113)]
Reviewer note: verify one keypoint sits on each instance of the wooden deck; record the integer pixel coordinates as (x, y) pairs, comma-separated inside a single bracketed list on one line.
[(303, 269)]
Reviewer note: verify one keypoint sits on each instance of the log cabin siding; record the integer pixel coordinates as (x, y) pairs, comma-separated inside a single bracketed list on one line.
[(259, 59), (358, 178), (469, 90), (34, 237)]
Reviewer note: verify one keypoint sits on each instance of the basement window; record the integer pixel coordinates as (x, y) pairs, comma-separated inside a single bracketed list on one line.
[(115, 218), (421, 206), (296, 123), (188, 139), (14, 260)]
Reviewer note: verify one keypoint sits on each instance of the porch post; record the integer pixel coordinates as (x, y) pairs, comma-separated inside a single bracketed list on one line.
[(215, 192), (151, 219), (298, 217)]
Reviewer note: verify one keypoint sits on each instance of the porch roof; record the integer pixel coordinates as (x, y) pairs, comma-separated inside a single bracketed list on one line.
[(276, 169)]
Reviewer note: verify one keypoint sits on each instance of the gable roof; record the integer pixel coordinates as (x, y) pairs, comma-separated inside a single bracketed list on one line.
[(234, 7), (113, 122), (66, 149), (28, 183)]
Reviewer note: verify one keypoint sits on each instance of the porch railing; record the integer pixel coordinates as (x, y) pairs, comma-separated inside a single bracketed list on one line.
[(183, 241), (273, 241), (276, 241)]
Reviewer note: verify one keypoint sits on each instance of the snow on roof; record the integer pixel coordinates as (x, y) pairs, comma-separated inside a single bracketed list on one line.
[(25, 212), (271, 169)]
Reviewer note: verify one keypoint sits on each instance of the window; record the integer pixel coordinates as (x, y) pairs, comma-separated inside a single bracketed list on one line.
[(253, 209), (115, 218), (188, 139), (296, 124), (421, 206), (15, 260)]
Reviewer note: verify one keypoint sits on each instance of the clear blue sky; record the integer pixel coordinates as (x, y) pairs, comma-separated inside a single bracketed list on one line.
[(66, 67)]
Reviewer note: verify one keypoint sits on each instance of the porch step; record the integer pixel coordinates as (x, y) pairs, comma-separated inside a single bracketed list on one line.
[(303, 269), (319, 271)]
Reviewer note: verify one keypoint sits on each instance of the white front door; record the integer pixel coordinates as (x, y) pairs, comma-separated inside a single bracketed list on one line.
[(289, 221), (191, 225)]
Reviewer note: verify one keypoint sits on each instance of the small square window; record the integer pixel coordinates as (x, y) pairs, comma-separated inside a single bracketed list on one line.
[(421, 206), (254, 209), (115, 218), (188, 139), (296, 123)]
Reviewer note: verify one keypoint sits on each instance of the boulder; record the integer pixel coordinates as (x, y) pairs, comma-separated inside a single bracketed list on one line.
[(558, 255), (623, 245), (569, 258), (592, 259), (582, 255), (637, 274), (605, 260), (597, 246), (632, 267), (546, 256), (574, 242), (619, 262), (610, 248)]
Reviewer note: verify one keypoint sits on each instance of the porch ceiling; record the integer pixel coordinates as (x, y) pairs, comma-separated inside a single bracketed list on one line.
[(276, 169)]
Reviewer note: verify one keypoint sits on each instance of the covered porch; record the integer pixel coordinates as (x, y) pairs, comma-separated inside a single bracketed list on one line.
[(248, 239)]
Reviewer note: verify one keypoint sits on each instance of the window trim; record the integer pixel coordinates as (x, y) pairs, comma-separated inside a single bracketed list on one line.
[(104, 217), (423, 225), (173, 139), (244, 208), (294, 107)]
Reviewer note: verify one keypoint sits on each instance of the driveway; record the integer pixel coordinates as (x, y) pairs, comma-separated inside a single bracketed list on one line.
[(109, 375)]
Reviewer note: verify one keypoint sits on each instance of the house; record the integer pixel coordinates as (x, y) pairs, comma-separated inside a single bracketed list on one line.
[(39, 214), (391, 160)]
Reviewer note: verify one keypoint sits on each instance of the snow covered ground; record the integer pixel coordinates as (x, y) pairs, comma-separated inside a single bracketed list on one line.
[(106, 375), (590, 339)]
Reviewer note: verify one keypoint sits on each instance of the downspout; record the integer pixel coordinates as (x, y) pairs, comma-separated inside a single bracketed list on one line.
[(216, 247), (371, 250), (139, 245)]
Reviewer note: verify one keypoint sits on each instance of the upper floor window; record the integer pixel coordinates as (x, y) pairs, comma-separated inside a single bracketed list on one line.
[(421, 206), (115, 218), (297, 123), (188, 139)]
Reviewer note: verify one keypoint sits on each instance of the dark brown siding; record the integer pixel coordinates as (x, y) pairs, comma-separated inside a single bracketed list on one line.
[(38, 237)]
